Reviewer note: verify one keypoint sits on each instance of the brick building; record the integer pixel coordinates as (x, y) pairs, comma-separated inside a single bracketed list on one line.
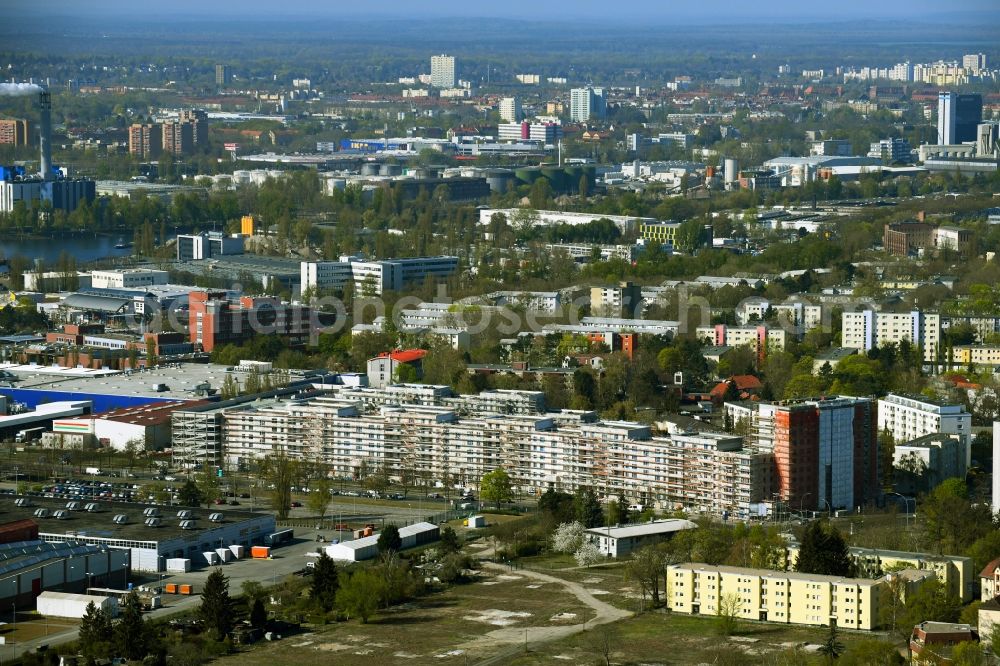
[(215, 320)]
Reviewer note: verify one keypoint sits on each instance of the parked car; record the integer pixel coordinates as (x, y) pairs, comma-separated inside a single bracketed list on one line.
[(296, 505)]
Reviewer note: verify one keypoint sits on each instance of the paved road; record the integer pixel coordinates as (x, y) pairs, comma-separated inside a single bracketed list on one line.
[(287, 560)]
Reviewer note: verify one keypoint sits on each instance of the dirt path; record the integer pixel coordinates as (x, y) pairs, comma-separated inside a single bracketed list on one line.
[(521, 638)]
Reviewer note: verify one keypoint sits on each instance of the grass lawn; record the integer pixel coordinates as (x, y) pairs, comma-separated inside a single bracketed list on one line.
[(658, 638), (433, 630), (31, 625)]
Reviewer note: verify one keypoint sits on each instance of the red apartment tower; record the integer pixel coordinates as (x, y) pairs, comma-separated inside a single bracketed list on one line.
[(825, 452)]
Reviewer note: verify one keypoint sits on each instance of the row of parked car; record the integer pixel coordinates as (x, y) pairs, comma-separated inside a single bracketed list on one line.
[(91, 489)]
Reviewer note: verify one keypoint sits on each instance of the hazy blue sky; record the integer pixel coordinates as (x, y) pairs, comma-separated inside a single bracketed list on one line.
[(717, 11)]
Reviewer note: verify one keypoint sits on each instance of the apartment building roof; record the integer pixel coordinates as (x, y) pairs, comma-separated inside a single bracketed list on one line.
[(990, 569), (644, 529), (768, 573), (405, 355)]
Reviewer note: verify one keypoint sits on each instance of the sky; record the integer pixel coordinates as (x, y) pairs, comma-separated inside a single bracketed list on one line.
[(642, 11)]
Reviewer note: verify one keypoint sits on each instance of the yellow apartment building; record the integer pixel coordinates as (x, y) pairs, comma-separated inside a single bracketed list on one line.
[(774, 596), (954, 571)]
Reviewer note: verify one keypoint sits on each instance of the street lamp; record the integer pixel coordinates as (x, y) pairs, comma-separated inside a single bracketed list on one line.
[(802, 501), (828, 508), (89, 584), (906, 505)]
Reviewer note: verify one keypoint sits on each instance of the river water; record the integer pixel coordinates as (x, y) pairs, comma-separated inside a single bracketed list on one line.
[(84, 248)]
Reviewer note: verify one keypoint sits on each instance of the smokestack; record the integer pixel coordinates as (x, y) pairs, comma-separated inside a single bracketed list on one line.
[(45, 133)]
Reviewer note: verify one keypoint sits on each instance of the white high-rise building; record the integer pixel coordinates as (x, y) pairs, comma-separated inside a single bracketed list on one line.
[(510, 109), (946, 118), (443, 71), (974, 62), (867, 330), (587, 104), (908, 417)]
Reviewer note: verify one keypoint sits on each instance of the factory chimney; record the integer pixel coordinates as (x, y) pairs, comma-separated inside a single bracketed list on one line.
[(45, 133)]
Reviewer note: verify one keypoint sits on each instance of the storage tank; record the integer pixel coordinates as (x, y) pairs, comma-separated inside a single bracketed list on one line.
[(556, 177), (527, 175), (731, 171), (499, 181)]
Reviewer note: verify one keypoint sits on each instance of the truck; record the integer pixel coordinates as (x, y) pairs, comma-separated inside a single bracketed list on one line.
[(29, 435), (93, 471)]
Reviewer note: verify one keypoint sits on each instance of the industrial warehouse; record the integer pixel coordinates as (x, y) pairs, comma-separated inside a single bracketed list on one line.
[(151, 534)]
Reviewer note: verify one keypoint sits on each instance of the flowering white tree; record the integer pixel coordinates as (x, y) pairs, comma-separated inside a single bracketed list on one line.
[(568, 537), (587, 554)]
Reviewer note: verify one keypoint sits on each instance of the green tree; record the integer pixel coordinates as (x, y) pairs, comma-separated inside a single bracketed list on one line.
[(359, 595), (190, 494), (230, 389), (932, 602), (208, 483), (968, 653), (951, 522), (557, 506), (871, 652), (730, 607), (96, 632), (449, 541), (496, 487), (258, 614), (832, 648), (648, 567), (131, 635), (389, 540), (216, 611), (324, 582), (823, 550), (253, 590), (319, 499), (281, 472), (994, 638), (588, 508)]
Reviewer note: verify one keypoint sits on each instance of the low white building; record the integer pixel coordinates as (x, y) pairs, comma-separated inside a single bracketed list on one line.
[(622, 540), (419, 534), (549, 218), (128, 278), (547, 302), (372, 278), (803, 316), (50, 281), (357, 550), (73, 606)]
